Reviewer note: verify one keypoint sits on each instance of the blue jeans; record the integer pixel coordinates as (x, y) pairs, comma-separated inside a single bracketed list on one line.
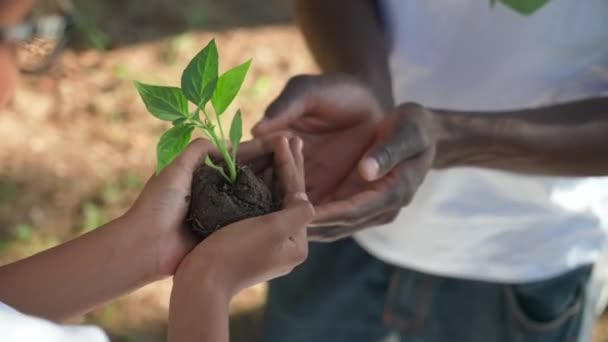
[(343, 294)]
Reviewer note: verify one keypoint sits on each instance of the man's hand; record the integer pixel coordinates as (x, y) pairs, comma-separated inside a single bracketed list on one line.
[(387, 176), (361, 166), (336, 116)]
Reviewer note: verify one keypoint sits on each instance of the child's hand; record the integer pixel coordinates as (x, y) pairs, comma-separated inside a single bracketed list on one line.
[(160, 211), (257, 249), (161, 208)]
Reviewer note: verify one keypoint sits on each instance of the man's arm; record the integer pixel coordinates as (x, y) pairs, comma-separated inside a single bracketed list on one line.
[(569, 139), (346, 36)]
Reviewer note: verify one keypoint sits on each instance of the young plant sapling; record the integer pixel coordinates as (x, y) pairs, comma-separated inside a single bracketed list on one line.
[(222, 191)]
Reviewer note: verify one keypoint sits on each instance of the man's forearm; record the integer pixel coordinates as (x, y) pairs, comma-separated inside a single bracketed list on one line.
[(346, 36), (568, 139), (81, 274)]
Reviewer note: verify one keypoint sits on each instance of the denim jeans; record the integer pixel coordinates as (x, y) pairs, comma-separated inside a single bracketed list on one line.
[(343, 294)]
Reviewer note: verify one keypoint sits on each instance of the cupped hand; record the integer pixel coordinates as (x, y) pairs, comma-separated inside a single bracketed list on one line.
[(387, 176), (260, 248), (362, 166), (161, 208), (336, 116)]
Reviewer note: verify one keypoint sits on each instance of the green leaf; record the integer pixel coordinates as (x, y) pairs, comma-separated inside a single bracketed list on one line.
[(228, 85), (179, 121), (165, 103), (207, 92), (171, 144), (199, 73), (236, 133), (525, 7), (219, 169)]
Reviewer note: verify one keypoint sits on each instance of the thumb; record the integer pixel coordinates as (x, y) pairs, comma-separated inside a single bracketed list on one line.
[(398, 140), (191, 157)]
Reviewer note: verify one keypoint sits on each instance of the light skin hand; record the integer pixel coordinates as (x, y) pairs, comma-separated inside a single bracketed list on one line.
[(162, 206), (139, 247), (242, 254), (145, 244)]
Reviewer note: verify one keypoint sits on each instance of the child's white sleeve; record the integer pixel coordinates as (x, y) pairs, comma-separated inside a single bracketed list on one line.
[(15, 326)]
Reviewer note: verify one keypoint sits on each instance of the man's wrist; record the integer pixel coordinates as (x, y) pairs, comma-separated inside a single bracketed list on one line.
[(460, 139)]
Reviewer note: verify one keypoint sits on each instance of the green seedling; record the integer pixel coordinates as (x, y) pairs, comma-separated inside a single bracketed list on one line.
[(200, 85)]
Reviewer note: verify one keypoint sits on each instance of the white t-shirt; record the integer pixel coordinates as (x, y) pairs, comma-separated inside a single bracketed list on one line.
[(17, 327), (482, 224)]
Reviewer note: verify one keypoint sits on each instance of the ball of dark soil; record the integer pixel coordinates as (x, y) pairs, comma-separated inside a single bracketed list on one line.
[(215, 202)]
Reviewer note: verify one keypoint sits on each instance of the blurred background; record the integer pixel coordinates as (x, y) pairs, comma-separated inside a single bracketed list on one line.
[(77, 145)]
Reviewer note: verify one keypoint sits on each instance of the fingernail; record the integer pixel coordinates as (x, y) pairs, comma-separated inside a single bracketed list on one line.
[(301, 195), (370, 169), (297, 142)]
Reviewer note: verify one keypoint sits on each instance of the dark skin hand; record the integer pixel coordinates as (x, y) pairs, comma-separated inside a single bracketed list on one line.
[(343, 123), (362, 167), (366, 157)]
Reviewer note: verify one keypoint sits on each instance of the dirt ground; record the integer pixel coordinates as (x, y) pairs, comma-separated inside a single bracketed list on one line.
[(77, 145)]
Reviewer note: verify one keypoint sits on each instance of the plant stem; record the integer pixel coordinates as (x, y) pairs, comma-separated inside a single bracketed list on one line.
[(223, 148), (215, 142)]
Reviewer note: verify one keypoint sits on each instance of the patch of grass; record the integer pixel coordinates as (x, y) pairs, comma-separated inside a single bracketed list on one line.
[(8, 190), (92, 216), (174, 47), (24, 232), (5, 245), (121, 71), (111, 193), (260, 88), (132, 181), (96, 211)]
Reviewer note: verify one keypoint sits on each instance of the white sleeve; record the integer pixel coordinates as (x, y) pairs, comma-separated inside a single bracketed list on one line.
[(17, 327)]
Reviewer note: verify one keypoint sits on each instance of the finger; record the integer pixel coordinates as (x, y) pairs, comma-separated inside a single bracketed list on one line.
[(393, 191), (251, 150), (399, 139), (289, 229), (356, 209), (291, 220), (290, 104), (290, 178), (256, 148), (331, 233), (191, 157), (297, 147)]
